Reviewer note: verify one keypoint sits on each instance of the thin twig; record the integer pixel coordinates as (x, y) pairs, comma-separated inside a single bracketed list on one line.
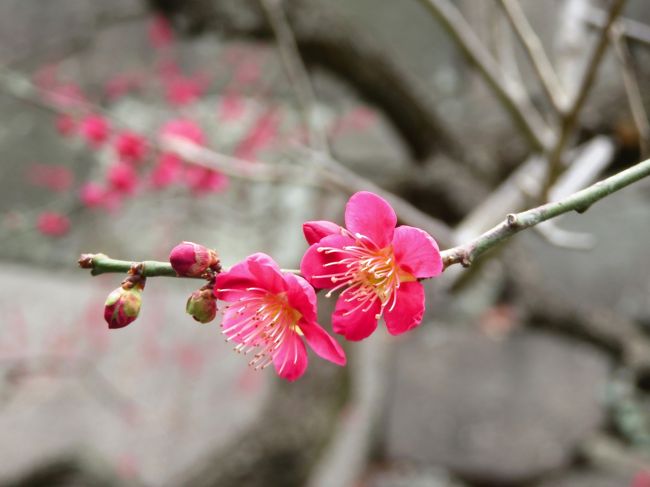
[(536, 54), (103, 264), (515, 222), (570, 118), (634, 98), (511, 94), (632, 29), (295, 70)]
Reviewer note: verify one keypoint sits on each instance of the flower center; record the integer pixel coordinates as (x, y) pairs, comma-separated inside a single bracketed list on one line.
[(368, 273), (260, 321)]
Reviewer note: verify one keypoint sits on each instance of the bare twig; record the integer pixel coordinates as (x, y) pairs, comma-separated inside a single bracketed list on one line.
[(511, 94), (515, 222), (634, 98), (295, 70), (632, 29), (570, 118), (536, 53)]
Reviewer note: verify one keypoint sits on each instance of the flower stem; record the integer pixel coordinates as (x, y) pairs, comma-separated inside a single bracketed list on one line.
[(103, 264)]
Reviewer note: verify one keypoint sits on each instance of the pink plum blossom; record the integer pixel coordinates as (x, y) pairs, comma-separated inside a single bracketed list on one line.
[(51, 176), (183, 128), (182, 90), (203, 180), (130, 146), (375, 264), (53, 224), (95, 129), (160, 32), (262, 134), (65, 125), (167, 170), (270, 313), (122, 178), (92, 195)]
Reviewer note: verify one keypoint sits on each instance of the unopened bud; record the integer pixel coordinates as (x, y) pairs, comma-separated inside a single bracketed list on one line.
[(192, 260), (122, 306), (202, 305)]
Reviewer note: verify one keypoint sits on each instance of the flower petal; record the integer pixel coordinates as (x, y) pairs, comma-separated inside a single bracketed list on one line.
[(356, 325), (408, 310), (316, 264), (301, 296), (290, 360), (322, 343), (267, 273), (237, 278), (416, 252), (316, 230), (371, 216)]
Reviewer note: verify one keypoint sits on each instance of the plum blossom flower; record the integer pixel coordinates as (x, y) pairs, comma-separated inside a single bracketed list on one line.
[(270, 312), (122, 178), (95, 129), (130, 146), (375, 264), (53, 224)]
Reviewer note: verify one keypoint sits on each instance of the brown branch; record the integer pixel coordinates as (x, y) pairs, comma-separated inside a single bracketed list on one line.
[(511, 94)]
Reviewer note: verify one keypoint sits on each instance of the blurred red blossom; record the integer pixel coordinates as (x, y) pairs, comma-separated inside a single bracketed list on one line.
[(53, 224)]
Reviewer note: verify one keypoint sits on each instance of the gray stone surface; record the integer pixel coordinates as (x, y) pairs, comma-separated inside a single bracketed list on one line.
[(148, 399), (499, 411), (409, 476), (590, 479)]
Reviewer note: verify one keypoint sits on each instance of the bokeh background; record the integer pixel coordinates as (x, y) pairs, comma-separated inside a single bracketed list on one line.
[(532, 370)]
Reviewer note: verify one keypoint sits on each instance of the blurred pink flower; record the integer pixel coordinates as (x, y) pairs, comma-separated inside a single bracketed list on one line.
[(204, 180), (54, 177), (122, 178), (160, 32), (181, 90), (184, 128), (130, 146), (261, 135), (53, 224), (641, 479), (168, 169), (92, 195), (120, 85), (376, 265), (231, 107), (270, 314), (95, 129), (65, 125)]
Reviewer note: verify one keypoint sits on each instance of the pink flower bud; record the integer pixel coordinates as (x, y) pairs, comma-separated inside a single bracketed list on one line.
[(123, 305), (202, 305), (192, 260)]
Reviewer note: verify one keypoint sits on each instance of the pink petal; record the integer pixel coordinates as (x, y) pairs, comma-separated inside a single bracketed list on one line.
[(357, 325), (322, 343), (371, 216), (408, 310), (301, 296), (313, 263), (267, 273), (238, 278), (317, 230), (416, 252), (290, 361)]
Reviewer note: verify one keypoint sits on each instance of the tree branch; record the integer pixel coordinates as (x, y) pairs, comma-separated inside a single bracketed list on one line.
[(536, 54), (510, 93), (515, 222), (570, 118)]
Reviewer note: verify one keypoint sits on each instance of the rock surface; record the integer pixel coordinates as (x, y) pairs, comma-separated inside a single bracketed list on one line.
[(500, 411)]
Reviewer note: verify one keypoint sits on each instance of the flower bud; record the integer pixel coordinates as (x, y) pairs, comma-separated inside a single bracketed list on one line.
[(192, 260), (202, 305), (123, 305)]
